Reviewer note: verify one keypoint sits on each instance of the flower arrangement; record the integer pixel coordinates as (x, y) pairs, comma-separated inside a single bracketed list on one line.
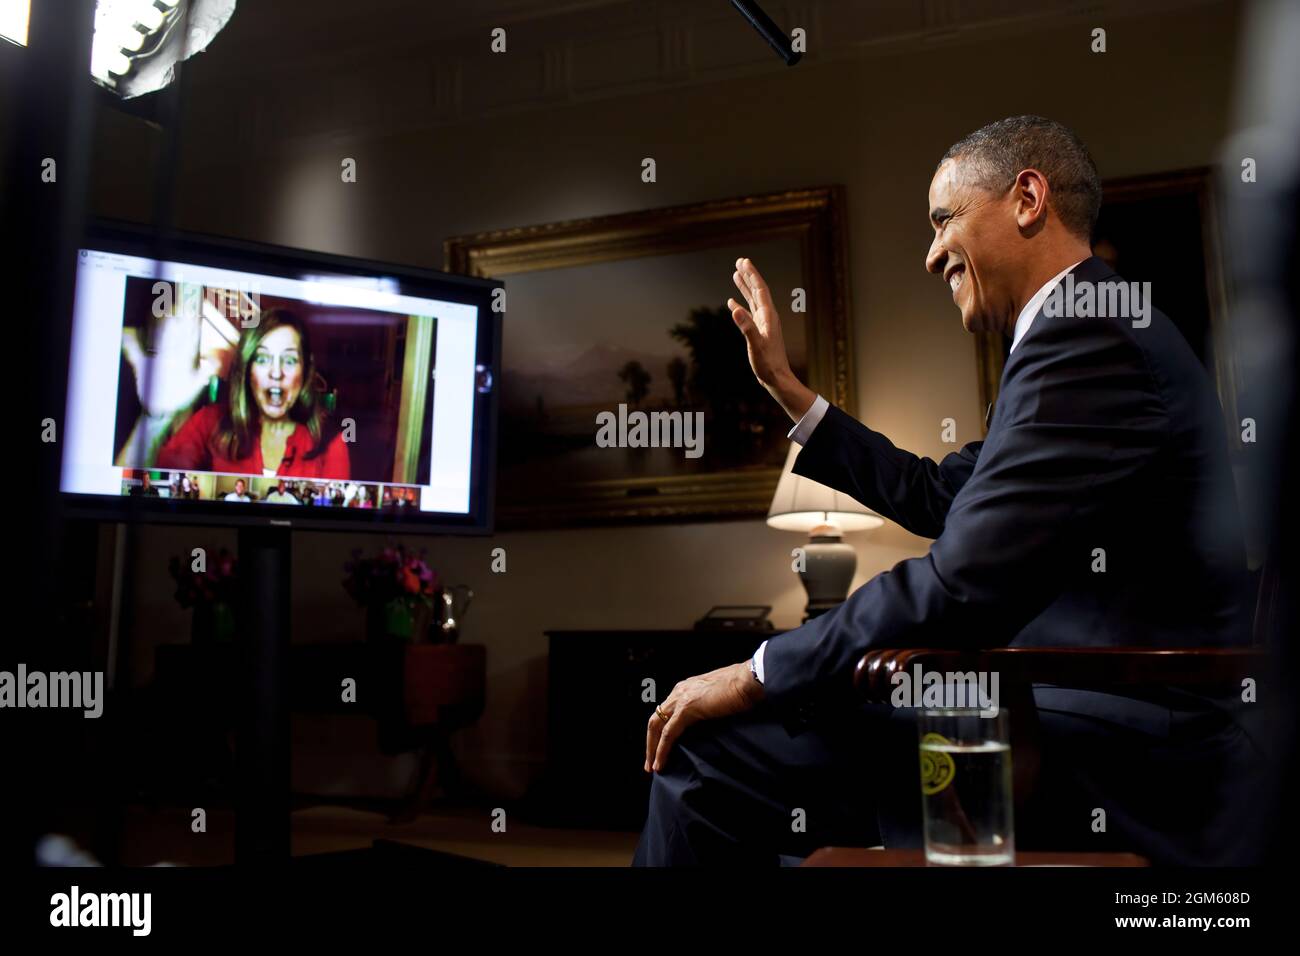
[(212, 593), (397, 588), (216, 583)]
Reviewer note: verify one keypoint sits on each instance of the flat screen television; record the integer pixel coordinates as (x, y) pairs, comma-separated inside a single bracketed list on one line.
[(214, 381)]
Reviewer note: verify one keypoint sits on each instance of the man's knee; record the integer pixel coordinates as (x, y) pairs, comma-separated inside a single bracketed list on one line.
[(669, 813), (692, 781), (683, 770)]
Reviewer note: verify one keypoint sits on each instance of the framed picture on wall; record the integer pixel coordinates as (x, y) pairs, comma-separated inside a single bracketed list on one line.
[(624, 314), (1163, 229)]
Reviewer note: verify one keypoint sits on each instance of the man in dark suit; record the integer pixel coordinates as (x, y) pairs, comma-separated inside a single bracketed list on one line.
[(1099, 511)]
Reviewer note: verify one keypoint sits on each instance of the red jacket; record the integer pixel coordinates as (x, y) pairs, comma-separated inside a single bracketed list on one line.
[(193, 447)]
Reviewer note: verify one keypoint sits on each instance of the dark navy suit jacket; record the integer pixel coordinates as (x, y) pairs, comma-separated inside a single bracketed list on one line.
[(1104, 436)]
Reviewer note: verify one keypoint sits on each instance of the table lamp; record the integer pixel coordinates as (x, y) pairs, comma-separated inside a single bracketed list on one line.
[(825, 515)]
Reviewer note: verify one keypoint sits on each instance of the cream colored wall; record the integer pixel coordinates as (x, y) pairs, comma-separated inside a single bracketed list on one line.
[(1157, 100)]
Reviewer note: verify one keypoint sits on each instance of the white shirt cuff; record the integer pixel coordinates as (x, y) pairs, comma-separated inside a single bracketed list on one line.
[(811, 418), (758, 662)]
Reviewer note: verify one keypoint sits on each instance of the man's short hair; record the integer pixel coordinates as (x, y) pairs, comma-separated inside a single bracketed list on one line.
[(995, 154)]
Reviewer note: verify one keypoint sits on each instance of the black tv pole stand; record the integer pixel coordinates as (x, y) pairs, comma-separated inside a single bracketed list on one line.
[(262, 769)]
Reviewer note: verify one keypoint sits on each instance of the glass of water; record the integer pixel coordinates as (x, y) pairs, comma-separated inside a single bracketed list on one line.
[(966, 790)]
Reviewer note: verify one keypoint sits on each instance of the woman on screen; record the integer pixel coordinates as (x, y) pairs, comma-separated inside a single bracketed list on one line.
[(272, 422)]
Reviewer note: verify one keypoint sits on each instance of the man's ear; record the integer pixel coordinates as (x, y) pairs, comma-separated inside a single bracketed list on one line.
[(1030, 192)]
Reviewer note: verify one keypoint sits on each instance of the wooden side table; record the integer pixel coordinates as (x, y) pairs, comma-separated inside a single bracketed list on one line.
[(442, 688)]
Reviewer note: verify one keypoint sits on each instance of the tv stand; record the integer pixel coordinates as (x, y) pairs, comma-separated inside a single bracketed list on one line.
[(262, 753)]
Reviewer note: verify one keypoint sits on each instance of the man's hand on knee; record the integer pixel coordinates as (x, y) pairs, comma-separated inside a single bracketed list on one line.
[(720, 693)]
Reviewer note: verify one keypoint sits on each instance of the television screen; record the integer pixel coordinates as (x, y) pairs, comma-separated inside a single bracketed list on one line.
[(218, 381)]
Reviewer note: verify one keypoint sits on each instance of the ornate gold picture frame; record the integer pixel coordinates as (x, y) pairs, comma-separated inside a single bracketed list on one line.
[(804, 235)]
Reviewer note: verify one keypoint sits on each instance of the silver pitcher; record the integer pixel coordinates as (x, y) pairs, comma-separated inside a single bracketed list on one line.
[(450, 610)]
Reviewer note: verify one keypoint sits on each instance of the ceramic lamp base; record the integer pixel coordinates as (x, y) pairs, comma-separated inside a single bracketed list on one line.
[(829, 567)]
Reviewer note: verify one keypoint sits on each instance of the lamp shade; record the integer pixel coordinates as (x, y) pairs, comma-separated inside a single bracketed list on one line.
[(801, 504)]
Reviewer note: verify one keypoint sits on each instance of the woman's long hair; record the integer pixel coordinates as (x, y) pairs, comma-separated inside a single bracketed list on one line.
[(241, 425)]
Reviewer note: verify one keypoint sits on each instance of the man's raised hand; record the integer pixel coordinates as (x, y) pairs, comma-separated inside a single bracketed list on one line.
[(761, 326)]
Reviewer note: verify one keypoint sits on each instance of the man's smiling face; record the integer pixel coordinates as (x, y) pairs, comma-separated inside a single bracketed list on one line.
[(975, 238)]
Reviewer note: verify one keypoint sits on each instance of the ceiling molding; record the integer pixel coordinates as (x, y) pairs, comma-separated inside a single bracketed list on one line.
[(404, 69)]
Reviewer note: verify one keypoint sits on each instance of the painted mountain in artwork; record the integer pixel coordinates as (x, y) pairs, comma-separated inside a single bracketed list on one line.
[(582, 375)]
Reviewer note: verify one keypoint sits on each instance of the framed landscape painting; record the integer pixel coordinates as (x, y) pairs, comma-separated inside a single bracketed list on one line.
[(611, 316)]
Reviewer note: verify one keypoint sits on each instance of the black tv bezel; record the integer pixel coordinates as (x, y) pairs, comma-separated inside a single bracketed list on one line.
[(246, 256)]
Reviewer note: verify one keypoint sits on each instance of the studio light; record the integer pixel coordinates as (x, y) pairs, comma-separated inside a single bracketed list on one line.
[(138, 43), (13, 20), (127, 31)]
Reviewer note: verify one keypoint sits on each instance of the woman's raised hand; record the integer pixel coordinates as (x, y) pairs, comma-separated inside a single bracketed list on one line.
[(186, 354)]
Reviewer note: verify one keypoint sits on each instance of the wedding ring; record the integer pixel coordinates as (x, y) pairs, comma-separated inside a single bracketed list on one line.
[(662, 715)]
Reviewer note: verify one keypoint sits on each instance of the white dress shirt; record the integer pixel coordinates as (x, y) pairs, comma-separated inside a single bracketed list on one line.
[(1026, 317), (803, 430)]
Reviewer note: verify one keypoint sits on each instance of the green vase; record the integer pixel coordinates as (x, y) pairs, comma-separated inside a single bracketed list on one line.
[(212, 624), (392, 621)]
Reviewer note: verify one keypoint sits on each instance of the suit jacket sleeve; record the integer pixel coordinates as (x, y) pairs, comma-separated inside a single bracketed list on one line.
[(1079, 417), (914, 492)]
